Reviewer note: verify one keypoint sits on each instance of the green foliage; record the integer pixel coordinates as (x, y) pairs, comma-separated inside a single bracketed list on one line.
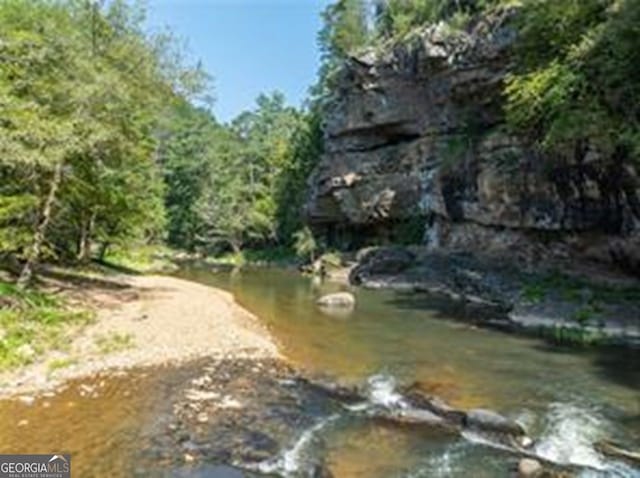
[(82, 90), (584, 314), (345, 28), (410, 231), (306, 146), (576, 84), (573, 289), (269, 255), (18, 298), (574, 336), (254, 182), (141, 257), (534, 292), (185, 150), (460, 146), (263, 256), (60, 363), (31, 323), (305, 244), (459, 20), (454, 150), (101, 145), (331, 259), (395, 18), (351, 26)]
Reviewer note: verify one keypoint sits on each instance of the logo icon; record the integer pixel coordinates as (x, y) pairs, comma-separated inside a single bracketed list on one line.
[(58, 457), (35, 466)]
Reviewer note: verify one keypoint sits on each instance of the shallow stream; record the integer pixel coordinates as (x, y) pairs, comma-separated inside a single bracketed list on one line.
[(567, 398), (570, 398)]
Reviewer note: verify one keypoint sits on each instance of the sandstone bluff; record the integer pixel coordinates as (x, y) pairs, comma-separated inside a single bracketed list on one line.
[(415, 134)]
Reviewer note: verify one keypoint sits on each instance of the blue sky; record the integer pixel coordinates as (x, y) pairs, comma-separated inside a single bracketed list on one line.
[(249, 46)]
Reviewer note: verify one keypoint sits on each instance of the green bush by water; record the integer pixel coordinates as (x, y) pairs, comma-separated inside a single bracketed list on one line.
[(31, 323), (573, 289), (142, 258)]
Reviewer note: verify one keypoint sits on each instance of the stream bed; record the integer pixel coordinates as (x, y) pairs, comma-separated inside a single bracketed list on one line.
[(125, 424)]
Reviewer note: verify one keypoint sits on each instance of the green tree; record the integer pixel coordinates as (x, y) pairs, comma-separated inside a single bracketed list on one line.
[(38, 84), (81, 93), (224, 206), (345, 28), (306, 146), (397, 17), (576, 85), (256, 169), (184, 152), (305, 244)]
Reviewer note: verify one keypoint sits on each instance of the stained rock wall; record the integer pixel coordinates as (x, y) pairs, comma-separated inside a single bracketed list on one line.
[(416, 132)]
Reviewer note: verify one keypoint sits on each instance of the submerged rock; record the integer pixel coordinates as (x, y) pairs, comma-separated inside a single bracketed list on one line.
[(412, 416), (339, 299), (207, 471), (239, 413), (616, 451), (333, 390), (417, 399), (483, 420)]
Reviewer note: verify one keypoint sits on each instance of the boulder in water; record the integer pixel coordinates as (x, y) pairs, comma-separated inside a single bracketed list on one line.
[(333, 390), (524, 441), (436, 405), (529, 468), (489, 421), (411, 416), (339, 299)]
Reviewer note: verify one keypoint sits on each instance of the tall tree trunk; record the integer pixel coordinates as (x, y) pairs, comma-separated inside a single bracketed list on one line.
[(236, 245), (40, 233), (84, 245)]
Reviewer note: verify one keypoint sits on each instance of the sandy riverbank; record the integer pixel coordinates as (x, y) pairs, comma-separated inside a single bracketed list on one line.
[(143, 321)]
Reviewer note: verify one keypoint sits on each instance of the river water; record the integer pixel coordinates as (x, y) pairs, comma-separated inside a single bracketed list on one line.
[(569, 398), (565, 397)]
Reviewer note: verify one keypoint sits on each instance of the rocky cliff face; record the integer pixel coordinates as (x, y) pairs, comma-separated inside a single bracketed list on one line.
[(415, 136)]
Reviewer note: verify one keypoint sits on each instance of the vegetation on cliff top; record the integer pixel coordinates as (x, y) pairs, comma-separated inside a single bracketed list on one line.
[(576, 86), (102, 146), (575, 82)]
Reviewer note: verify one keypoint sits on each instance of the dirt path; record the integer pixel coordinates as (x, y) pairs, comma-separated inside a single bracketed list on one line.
[(147, 320)]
